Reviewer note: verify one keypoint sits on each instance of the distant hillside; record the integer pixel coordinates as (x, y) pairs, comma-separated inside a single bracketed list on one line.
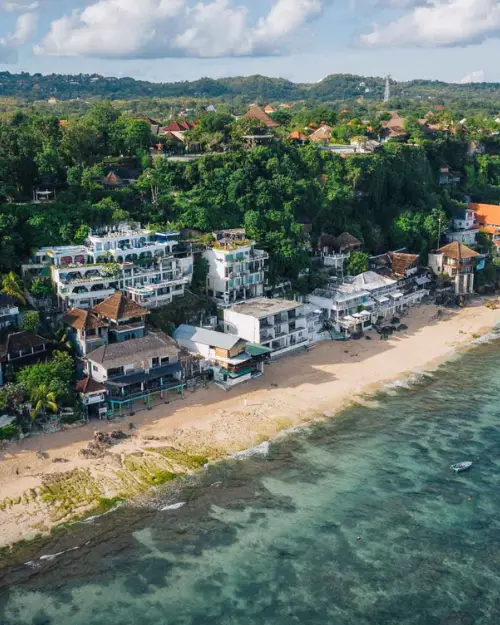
[(245, 89)]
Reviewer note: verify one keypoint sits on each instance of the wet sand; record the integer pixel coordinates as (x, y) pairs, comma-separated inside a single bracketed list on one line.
[(294, 390)]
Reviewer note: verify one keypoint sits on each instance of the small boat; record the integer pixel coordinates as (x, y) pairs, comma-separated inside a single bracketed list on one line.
[(461, 466)]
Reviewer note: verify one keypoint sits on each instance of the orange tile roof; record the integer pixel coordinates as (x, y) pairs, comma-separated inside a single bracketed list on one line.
[(118, 307), (296, 134), (487, 214), (257, 113), (489, 229), (82, 320), (457, 251)]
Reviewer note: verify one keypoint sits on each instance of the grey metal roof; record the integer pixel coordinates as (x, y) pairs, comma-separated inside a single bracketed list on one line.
[(371, 280), (263, 307), (119, 354), (206, 337)]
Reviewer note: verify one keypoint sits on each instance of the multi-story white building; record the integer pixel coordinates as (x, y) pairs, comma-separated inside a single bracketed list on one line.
[(152, 269), (278, 324), (236, 269), (366, 299)]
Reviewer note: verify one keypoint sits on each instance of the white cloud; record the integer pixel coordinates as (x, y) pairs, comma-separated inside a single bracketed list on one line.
[(478, 76), (173, 28), (23, 31), (14, 6), (25, 28), (440, 23)]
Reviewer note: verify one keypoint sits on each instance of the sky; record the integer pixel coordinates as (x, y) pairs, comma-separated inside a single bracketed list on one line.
[(301, 40)]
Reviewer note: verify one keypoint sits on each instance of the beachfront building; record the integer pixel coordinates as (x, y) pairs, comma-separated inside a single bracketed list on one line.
[(356, 304), (278, 324), (457, 261), (344, 307), (86, 331), (151, 268), (136, 370), (231, 359), (236, 269), (115, 320), (9, 311)]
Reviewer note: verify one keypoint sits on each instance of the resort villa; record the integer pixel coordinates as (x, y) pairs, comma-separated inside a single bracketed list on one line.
[(354, 305), (277, 324), (135, 370), (151, 268), (236, 269), (115, 320), (231, 359), (457, 261)]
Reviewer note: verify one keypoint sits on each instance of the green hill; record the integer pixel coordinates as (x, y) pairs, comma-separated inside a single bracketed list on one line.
[(244, 89)]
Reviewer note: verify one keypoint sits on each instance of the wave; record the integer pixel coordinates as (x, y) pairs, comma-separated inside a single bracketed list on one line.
[(173, 506), (261, 450), (91, 519), (414, 380), (487, 338), (34, 564)]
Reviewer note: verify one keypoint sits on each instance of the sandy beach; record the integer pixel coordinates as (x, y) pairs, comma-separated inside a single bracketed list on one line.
[(212, 423)]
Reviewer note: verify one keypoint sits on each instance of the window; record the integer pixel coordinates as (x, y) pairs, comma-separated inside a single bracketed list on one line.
[(95, 368), (165, 360), (155, 362)]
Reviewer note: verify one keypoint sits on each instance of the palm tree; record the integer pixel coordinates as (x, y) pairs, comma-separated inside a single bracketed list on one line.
[(44, 399), (13, 287)]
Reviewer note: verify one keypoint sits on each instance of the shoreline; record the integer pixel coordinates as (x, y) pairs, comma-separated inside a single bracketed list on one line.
[(210, 424)]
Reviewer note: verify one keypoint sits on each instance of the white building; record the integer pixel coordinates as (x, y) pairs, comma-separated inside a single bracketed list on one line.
[(236, 269), (278, 324), (9, 311), (465, 228), (458, 262), (368, 298), (231, 359), (152, 269)]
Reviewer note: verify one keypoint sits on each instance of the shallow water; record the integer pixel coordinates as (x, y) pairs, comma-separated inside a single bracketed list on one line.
[(355, 521)]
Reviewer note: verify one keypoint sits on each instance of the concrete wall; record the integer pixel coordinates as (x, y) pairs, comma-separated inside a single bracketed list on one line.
[(244, 326)]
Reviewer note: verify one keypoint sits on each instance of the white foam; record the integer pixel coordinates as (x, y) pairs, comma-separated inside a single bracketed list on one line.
[(34, 564), (91, 519), (487, 338), (173, 506), (259, 450)]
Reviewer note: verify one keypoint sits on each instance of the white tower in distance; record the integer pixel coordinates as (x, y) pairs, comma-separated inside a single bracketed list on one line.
[(387, 92)]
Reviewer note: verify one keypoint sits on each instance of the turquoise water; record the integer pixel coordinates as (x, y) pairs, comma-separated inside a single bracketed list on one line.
[(356, 521)]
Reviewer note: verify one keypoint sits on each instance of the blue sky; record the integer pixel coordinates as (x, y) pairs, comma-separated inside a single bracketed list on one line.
[(302, 40)]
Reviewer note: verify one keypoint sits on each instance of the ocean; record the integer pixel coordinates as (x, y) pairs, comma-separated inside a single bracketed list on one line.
[(354, 521)]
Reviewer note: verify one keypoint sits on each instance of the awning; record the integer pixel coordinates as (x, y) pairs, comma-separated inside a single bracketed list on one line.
[(397, 295), (422, 280), (239, 374), (253, 349), (382, 299)]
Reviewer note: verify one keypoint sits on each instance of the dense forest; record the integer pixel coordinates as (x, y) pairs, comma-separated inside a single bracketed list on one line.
[(337, 87), (388, 199)]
